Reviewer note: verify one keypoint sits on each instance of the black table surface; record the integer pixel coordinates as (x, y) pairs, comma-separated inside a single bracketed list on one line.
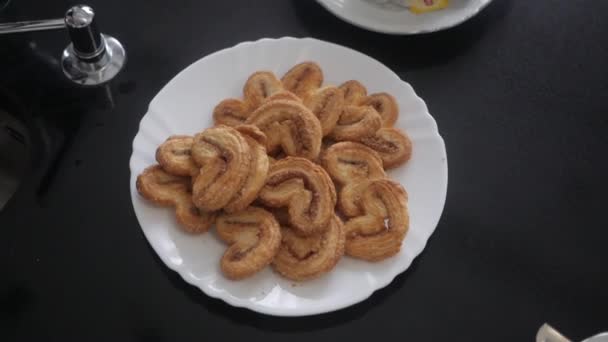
[(519, 94)]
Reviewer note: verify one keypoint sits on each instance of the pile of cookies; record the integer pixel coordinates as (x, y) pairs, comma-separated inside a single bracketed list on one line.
[(292, 175)]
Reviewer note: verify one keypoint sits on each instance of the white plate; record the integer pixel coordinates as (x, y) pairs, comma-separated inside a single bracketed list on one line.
[(391, 19), (184, 106)]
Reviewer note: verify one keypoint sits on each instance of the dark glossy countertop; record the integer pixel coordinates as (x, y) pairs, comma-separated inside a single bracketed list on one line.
[(519, 94)]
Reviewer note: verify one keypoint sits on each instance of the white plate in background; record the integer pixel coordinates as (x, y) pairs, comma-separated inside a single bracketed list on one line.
[(389, 19), (184, 106)]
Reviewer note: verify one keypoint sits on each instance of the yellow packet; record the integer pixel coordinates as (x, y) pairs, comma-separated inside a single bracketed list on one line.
[(424, 6)]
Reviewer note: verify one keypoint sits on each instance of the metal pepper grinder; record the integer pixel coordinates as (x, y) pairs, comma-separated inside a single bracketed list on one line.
[(92, 58)]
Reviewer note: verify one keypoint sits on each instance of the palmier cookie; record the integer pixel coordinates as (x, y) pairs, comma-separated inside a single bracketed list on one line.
[(326, 102), (257, 172), (174, 155), (303, 258), (379, 231), (356, 122), (305, 189), (348, 162), (303, 79), (164, 189), (225, 160), (393, 146), (290, 126), (384, 104), (258, 87), (254, 237)]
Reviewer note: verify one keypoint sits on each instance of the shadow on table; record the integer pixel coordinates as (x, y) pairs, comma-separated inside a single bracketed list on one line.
[(400, 53), (286, 324)]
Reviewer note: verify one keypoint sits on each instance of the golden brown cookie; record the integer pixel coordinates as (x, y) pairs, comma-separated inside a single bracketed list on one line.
[(288, 125), (305, 189), (254, 237), (304, 258), (356, 122), (378, 232), (225, 158), (164, 189), (393, 146), (230, 112), (386, 106), (348, 162), (257, 174), (327, 104), (354, 92), (303, 79), (259, 86), (174, 155)]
